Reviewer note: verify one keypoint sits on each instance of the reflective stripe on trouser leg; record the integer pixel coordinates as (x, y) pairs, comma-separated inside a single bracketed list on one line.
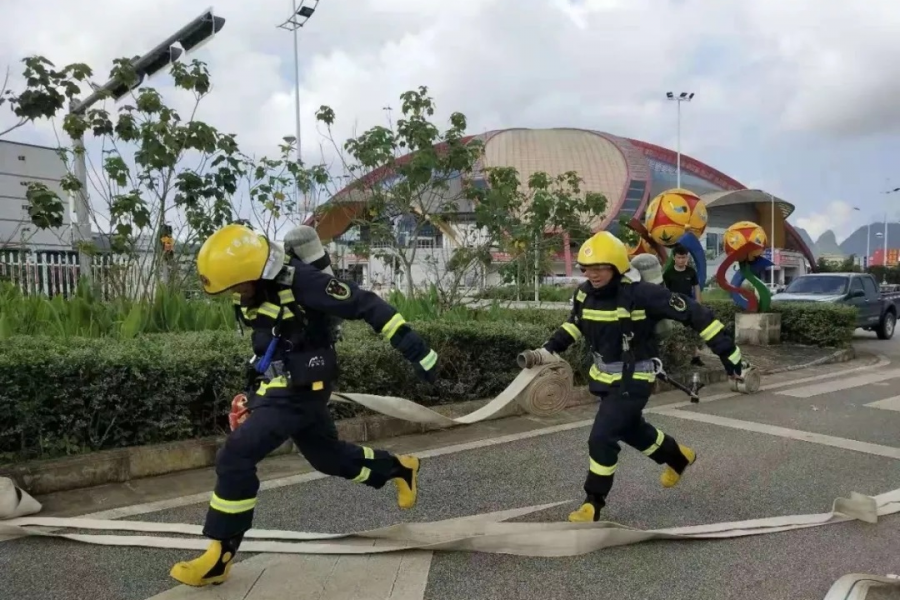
[(660, 447), (232, 504), (599, 479), (353, 462)]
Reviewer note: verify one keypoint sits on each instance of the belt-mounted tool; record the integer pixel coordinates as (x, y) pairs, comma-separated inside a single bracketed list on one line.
[(693, 391)]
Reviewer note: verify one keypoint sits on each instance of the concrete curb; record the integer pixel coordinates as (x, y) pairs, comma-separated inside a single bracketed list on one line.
[(123, 464)]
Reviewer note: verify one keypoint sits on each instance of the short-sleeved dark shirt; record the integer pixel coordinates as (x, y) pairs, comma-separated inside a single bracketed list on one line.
[(682, 282)]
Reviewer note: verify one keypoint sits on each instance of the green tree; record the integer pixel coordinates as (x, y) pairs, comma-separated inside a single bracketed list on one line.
[(47, 90), (274, 186), (626, 233), (161, 178), (404, 193), (531, 221)]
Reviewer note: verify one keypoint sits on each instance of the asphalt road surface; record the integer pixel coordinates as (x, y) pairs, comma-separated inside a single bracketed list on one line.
[(816, 435)]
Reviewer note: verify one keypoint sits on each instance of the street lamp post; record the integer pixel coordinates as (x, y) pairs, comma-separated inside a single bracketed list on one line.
[(189, 38), (868, 242), (884, 277), (683, 97), (772, 241), (300, 14)]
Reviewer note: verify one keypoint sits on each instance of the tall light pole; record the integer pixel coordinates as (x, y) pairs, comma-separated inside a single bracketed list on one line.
[(187, 39), (772, 242), (890, 191), (868, 242), (683, 97), (300, 14)]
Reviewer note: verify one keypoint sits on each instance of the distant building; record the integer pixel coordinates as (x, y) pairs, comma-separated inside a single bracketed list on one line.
[(833, 259), (628, 172), (20, 164), (893, 257)]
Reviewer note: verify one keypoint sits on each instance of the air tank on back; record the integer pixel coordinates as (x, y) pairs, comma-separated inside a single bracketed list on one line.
[(304, 243)]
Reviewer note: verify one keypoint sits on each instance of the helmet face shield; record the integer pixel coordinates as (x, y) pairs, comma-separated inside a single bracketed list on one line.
[(274, 262)]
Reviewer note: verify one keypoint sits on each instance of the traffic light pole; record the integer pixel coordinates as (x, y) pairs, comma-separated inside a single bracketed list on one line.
[(187, 39)]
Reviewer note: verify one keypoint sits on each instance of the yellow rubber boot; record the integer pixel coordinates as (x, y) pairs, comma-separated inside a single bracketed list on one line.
[(212, 567), (670, 476), (586, 514), (408, 491)]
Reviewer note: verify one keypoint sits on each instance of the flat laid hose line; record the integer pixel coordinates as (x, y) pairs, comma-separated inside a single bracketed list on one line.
[(472, 534)]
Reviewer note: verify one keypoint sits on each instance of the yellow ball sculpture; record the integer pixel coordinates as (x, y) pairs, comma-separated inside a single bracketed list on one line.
[(642, 247), (742, 232), (674, 213)]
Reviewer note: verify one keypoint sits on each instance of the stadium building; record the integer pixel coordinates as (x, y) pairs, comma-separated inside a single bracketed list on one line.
[(628, 172)]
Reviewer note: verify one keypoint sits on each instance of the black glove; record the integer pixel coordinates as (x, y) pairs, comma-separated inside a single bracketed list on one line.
[(733, 370), (429, 376)]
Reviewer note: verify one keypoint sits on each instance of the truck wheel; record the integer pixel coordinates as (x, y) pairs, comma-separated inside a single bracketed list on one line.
[(885, 329)]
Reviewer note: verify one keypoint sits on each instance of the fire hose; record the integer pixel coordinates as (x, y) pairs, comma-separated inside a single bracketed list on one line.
[(471, 534), (543, 387)]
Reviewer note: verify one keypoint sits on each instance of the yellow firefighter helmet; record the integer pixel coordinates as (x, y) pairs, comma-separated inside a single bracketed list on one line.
[(236, 254), (603, 248)]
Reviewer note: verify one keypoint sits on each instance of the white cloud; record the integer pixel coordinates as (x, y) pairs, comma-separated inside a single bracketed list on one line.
[(838, 216), (767, 66)]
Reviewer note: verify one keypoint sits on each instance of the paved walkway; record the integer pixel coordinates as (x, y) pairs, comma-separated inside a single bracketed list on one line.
[(808, 438)]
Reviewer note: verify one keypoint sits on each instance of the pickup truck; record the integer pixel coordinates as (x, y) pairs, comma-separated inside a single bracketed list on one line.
[(877, 311)]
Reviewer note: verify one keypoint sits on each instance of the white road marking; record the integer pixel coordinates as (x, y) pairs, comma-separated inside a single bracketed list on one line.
[(886, 404), (829, 387), (141, 509), (784, 432)]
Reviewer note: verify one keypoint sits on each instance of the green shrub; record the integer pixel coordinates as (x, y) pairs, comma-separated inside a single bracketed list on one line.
[(816, 323), (547, 293), (66, 396)]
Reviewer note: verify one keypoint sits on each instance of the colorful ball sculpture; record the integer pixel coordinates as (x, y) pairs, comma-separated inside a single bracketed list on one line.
[(746, 288), (642, 247), (742, 232), (672, 214)]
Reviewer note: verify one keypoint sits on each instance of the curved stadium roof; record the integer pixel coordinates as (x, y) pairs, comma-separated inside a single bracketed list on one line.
[(628, 172)]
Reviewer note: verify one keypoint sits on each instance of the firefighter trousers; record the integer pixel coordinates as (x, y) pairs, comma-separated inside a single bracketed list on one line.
[(620, 419), (307, 422)]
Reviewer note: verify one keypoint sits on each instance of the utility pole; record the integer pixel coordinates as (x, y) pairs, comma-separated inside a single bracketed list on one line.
[(300, 14), (683, 97), (185, 40)]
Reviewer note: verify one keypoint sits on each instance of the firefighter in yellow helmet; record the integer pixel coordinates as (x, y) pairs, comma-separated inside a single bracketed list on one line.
[(616, 313), (291, 306)]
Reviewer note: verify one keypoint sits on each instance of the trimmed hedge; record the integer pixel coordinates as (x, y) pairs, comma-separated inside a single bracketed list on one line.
[(61, 397)]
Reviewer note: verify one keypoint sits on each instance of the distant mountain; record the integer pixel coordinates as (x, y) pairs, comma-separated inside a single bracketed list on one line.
[(807, 239), (827, 244), (856, 242)]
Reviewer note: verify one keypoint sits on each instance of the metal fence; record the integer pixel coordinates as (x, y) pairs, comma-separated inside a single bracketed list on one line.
[(54, 273)]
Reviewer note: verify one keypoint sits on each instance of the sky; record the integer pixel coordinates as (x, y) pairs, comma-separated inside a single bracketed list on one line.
[(798, 98)]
